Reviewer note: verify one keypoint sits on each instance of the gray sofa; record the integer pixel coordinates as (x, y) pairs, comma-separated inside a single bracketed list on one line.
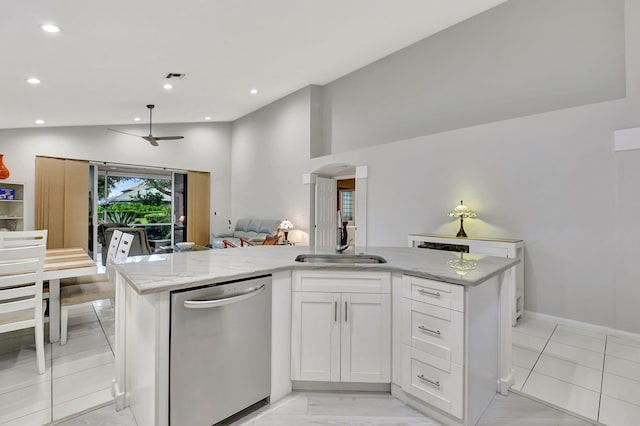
[(251, 229)]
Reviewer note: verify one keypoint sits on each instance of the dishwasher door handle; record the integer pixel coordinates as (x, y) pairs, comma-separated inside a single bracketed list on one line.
[(214, 303)]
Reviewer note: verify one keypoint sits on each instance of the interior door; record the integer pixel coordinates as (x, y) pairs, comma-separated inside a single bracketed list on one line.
[(326, 212)]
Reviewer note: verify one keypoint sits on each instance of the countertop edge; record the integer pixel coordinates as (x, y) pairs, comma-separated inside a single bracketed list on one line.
[(181, 283)]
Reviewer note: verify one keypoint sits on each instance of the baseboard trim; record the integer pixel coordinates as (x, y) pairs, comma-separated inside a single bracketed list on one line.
[(340, 386), (579, 324)]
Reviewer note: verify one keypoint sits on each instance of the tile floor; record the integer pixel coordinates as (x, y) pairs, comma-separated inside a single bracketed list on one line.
[(318, 408), (78, 376), (592, 374)]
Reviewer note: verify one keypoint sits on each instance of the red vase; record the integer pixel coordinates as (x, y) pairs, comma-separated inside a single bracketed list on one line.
[(4, 172)]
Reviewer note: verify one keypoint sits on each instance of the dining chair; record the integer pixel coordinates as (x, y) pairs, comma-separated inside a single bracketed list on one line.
[(269, 241), (21, 304), (76, 291)]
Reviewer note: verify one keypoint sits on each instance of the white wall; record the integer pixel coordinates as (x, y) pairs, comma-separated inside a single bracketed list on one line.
[(206, 147), (270, 154), (551, 179), (522, 57)]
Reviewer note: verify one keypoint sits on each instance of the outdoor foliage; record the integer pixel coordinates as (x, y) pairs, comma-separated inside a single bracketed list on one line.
[(140, 214), (150, 199)]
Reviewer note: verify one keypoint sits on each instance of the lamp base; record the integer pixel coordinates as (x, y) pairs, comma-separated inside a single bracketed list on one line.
[(461, 233)]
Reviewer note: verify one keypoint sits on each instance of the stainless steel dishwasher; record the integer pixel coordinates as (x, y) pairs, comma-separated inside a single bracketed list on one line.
[(220, 350)]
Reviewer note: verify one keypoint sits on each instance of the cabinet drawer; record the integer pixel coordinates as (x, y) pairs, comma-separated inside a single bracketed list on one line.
[(489, 251), (442, 388), (342, 282), (434, 330), (450, 296)]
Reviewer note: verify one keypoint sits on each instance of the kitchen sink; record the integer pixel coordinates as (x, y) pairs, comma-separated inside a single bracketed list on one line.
[(340, 258)]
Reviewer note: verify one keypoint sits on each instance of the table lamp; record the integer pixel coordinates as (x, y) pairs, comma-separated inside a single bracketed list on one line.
[(285, 225), (463, 212)]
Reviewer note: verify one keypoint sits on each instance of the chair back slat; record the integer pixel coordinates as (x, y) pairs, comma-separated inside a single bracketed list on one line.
[(124, 247), (114, 243), (10, 239), (17, 305), (8, 280), (17, 292)]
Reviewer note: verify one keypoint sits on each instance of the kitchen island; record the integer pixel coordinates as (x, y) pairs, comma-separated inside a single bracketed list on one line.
[(469, 287)]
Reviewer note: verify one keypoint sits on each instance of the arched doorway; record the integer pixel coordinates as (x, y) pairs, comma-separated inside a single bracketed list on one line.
[(324, 203)]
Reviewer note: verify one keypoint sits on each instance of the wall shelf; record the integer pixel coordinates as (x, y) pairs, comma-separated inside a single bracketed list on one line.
[(12, 211)]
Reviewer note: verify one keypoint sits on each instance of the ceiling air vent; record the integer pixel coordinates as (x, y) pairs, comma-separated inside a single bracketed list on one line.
[(175, 76)]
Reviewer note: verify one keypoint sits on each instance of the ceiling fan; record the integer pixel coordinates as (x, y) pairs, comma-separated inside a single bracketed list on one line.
[(153, 140)]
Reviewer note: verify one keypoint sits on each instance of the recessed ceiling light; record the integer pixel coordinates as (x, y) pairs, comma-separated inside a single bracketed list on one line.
[(168, 86), (39, 121), (207, 118), (253, 91), (33, 80), (136, 118), (50, 28)]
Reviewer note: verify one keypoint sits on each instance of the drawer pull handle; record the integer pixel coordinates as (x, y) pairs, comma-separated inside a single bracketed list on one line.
[(435, 383), (430, 293), (428, 330)]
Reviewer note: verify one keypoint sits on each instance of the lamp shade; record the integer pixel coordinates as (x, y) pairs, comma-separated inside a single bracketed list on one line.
[(286, 225), (462, 211)]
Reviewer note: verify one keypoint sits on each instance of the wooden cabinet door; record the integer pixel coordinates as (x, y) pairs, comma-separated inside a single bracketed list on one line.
[(366, 338), (315, 336)]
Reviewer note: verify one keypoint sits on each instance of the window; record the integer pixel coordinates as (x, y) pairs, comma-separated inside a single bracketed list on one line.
[(346, 205)]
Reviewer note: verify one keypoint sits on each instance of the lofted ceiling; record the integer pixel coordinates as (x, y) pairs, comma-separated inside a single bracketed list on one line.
[(111, 58)]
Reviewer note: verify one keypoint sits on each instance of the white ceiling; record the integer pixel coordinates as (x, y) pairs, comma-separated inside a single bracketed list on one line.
[(112, 56)]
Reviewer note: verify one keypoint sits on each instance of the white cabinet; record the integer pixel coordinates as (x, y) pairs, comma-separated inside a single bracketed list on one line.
[(484, 246), (341, 327), (433, 343), (449, 347), (11, 206)]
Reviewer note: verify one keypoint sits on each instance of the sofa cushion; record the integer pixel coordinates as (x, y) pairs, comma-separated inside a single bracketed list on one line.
[(242, 225), (251, 229)]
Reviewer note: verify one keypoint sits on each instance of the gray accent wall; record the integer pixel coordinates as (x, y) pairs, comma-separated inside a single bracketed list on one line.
[(519, 58), (270, 153), (535, 164)]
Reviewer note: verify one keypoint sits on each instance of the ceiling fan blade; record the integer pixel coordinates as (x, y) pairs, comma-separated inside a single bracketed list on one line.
[(168, 138), (152, 140), (125, 133)]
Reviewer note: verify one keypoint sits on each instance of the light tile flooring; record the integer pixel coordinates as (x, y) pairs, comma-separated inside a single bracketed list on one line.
[(78, 376), (318, 408), (589, 373)]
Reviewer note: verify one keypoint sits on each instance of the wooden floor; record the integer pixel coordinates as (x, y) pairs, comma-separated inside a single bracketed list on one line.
[(319, 408)]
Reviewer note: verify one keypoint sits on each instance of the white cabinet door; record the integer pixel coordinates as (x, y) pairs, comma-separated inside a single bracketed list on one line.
[(315, 337), (366, 338)]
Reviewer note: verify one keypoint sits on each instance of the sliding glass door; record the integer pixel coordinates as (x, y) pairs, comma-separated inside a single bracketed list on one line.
[(137, 197)]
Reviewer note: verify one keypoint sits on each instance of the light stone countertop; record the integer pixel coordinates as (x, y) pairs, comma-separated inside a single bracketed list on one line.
[(167, 272)]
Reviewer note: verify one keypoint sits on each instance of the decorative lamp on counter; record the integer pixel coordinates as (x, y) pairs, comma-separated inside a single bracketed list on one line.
[(463, 212), (286, 226)]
